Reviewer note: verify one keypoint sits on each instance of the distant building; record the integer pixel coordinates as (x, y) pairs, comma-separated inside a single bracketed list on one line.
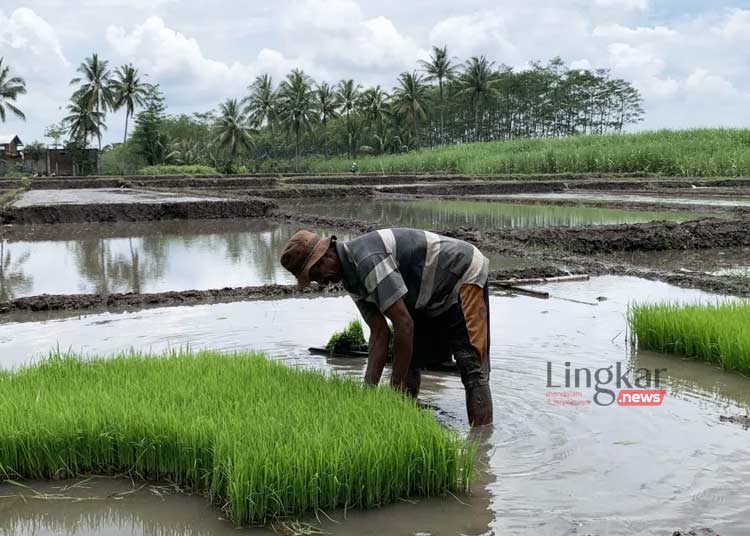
[(60, 162), (11, 148)]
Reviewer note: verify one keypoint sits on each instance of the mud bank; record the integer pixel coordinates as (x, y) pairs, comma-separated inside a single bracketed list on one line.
[(133, 211), (311, 220), (661, 235), (302, 192), (401, 178), (130, 300), (151, 182)]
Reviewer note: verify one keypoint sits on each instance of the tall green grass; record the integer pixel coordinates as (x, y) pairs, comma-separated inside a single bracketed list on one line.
[(699, 152), (717, 333), (261, 439)]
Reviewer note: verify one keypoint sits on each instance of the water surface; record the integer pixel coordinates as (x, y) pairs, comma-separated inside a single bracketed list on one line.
[(444, 214), (629, 198), (552, 470), (146, 257)]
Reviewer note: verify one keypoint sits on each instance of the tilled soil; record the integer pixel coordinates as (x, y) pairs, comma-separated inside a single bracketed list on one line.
[(127, 300), (661, 235), (109, 212)]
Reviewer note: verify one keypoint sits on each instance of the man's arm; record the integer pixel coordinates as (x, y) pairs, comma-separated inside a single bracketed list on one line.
[(380, 336), (403, 342)]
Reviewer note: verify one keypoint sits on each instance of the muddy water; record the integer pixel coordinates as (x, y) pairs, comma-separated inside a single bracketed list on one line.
[(551, 469), (629, 198), (145, 257), (716, 261), (442, 213), (154, 257)]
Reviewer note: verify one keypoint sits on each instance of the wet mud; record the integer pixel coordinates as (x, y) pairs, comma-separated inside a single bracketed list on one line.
[(696, 234), (132, 300), (742, 420), (133, 211)]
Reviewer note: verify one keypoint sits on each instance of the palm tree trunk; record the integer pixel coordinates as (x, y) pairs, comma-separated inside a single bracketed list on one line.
[(442, 114), (348, 138), (125, 137)]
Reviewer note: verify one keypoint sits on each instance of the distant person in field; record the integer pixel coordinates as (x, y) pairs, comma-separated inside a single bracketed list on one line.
[(432, 288)]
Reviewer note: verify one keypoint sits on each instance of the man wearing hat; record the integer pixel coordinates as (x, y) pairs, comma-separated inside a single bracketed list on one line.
[(432, 288)]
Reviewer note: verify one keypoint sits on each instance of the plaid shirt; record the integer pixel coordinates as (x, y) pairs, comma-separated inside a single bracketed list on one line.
[(424, 269)]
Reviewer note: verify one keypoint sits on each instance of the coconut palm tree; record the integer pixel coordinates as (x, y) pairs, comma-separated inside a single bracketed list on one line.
[(410, 99), (82, 121), (261, 105), (374, 104), (234, 133), (479, 83), (347, 95), (440, 68), (325, 102), (297, 107), (129, 92), (10, 88), (96, 89)]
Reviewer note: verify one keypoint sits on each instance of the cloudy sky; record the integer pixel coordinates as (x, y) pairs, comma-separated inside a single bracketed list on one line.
[(689, 58)]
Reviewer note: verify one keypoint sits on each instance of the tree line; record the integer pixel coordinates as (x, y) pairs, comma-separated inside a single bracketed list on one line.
[(443, 101)]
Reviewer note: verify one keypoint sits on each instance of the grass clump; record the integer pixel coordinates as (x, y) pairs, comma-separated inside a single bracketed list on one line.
[(696, 152), (261, 439), (351, 338), (717, 333), (195, 169)]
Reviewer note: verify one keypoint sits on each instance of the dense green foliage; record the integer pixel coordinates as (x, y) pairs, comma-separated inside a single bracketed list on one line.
[(348, 339), (167, 169), (699, 152), (717, 333), (262, 439)]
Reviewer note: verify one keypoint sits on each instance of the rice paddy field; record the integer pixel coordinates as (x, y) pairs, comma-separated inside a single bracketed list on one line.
[(698, 152), (262, 440), (717, 333)]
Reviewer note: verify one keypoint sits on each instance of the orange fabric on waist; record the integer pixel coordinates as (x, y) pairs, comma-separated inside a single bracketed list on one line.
[(475, 314)]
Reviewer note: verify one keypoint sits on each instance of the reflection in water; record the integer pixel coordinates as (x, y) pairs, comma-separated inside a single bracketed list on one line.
[(13, 281), (443, 214), (156, 257)]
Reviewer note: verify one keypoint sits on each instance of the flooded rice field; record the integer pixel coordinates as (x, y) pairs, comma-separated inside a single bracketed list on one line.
[(551, 468), (628, 198), (150, 257), (145, 257), (442, 213)]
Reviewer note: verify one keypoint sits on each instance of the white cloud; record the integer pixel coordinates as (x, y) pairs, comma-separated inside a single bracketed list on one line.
[(701, 81), (479, 33), (640, 5), (24, 29), (736, 26), (616, 31), (336, 32), (177, 62)]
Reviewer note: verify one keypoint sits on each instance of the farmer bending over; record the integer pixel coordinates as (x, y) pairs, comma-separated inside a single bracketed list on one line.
[(432, 288)]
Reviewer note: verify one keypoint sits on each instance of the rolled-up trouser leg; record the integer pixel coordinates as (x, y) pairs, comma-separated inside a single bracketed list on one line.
[(469, 341)]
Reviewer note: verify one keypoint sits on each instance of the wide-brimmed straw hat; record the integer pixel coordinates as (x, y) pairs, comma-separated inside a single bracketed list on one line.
[(303, 250)]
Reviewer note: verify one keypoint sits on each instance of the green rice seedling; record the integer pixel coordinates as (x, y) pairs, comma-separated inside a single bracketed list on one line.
[(351, 338), (262, 440), (717, 333)]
